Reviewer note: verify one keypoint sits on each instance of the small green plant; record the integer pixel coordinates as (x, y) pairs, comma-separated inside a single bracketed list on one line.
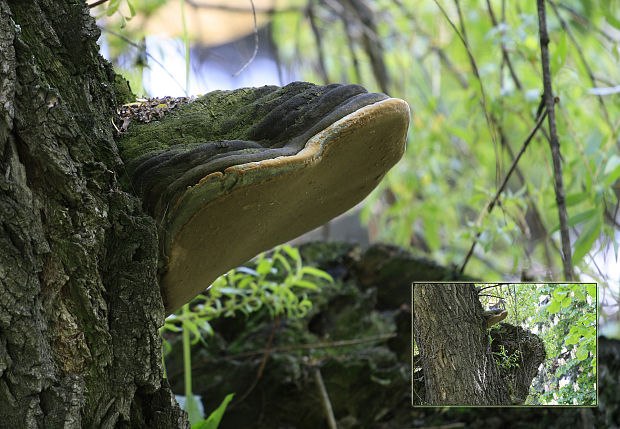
[(213, 421), (278, 282), (505, 360)]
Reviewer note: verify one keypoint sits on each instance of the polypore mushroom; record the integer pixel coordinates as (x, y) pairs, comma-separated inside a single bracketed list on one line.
[(237, 172), (495, 316)]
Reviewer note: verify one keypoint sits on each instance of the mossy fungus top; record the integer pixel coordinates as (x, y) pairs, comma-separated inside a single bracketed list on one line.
[(236, 172)]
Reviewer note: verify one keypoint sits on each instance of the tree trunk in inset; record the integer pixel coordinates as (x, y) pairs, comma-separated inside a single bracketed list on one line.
[(79, 299), (452, 337)]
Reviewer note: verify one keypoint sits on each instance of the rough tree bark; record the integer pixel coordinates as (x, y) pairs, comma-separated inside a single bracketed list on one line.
[(451, 334), (79, 300)]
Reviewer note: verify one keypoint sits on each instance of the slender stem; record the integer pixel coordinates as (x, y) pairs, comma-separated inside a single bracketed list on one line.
[(583, 59), (187, 360), (327, 405), (474, 67), (97, 3), (554, 142), (186, 43), (242, 9), (248, 62), (319, 41), (512, 168), (139, 46)]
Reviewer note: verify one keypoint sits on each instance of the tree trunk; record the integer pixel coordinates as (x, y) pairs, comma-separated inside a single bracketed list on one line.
[(452, 338), (79, 300)]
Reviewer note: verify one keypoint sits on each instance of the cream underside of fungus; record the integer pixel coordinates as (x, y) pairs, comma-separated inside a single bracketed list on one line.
[(276, 200), (238, 172)]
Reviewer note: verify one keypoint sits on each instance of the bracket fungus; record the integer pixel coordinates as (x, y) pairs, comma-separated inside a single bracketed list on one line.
[(235, 173)]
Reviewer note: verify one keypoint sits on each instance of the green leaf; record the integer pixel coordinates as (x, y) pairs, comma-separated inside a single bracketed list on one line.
[(610, 14), (582, 353), (132, 9), (247, 270), (578, 218), (612, 170), (573, 199), (193, 411), (292, 252), (554, 306), (592, 289), (588, 236), (213, 421), (112, 7), (317, 273), (284, 262), (566, 302), (559, 54), (189, 325), (264, 267), (305, 284)]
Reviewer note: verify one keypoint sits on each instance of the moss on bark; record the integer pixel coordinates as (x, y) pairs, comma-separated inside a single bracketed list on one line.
[(78, 330)]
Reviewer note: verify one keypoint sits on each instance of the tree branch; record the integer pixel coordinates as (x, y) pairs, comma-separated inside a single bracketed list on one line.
[(582, 57), (493, 202), (255, 43), (97, 3), (554, 142)]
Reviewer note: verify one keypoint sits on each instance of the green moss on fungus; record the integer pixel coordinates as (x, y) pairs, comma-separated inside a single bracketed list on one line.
[(122, 91)]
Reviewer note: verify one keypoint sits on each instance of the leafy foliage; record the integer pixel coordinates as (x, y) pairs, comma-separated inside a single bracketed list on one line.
[(474, 96), (213, 421), (278, 282), (564, 317), (506, 360)]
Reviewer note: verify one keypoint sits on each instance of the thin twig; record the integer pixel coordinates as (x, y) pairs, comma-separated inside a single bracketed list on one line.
[(319, 41), (241, 9), (505, 56), (493, 202), (504, 139), (450, 66), (327, 405), (137, 45), (554, 142), (356, 65), (582, 57), (255, 43), (261, 368), (474, 67), (344, 17), (293, 348), (531, 204), (97, 3), (586, 22)]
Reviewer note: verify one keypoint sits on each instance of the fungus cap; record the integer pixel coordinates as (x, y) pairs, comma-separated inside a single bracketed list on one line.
[(217, 217)]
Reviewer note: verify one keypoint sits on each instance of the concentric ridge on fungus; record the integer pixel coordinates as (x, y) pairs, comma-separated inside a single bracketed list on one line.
[(236, 172)]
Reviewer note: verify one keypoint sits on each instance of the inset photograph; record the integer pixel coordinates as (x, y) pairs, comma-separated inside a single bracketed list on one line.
[(504, 344)]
